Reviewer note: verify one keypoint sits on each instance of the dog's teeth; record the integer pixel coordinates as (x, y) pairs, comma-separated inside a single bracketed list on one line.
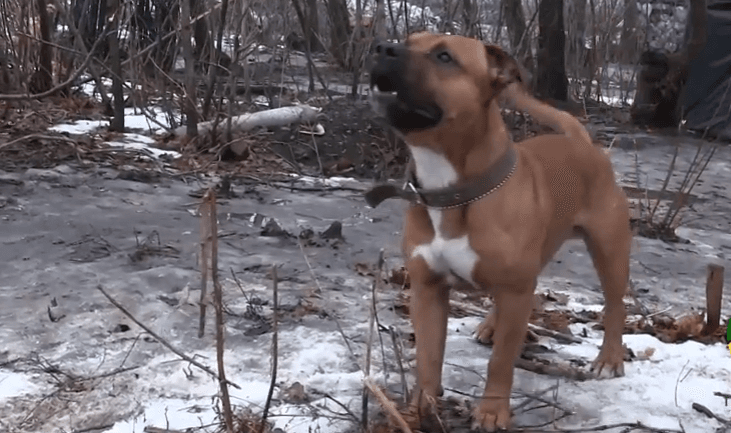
[(424, 113)]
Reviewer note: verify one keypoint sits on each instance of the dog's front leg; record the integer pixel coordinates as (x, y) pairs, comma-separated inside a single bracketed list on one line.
[(429, 311), (512, 308)]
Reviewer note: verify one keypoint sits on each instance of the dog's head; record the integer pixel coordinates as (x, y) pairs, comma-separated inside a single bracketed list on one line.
[(437, 82)]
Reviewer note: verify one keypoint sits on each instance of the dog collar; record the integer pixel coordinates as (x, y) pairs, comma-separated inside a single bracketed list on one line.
[(451, 196)]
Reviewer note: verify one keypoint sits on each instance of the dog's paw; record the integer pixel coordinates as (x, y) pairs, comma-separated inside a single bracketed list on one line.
[(486, 329), (492, 414), (610, 361)]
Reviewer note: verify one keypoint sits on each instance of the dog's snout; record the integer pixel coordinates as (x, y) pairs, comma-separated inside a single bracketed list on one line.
[(389, 49)]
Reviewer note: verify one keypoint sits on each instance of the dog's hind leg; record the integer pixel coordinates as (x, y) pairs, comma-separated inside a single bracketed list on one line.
[(608, 238)]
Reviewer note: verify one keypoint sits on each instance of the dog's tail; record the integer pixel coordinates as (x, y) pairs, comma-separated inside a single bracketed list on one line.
[(561, 121)]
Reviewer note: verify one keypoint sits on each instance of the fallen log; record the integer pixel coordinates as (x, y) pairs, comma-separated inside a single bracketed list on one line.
[(268, 118)]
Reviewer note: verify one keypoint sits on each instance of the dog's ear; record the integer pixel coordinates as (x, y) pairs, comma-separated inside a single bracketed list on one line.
[(504, 68)]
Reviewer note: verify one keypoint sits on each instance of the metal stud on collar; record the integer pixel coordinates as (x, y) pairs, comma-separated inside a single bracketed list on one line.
[(481, 196)]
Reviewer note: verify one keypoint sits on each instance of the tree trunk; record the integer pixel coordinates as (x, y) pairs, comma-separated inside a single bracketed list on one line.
[(312, 23), (201, 32), (117, 123), (661, 81), (190, 95), (42, 79), (576, 32), (517, 30), (207, 99), (551, 81), (340, 32), (630, 42), (469, 16)]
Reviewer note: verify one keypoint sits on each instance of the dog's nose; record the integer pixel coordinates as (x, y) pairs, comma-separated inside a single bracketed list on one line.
[(389, 50)]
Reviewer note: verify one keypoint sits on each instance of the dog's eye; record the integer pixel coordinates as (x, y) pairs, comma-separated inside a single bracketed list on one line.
[(444, 57)]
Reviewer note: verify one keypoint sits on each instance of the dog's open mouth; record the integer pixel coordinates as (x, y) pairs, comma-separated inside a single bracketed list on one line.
[(400, 109)]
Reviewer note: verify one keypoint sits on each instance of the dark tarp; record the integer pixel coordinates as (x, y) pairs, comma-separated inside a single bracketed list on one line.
[(707, 98)]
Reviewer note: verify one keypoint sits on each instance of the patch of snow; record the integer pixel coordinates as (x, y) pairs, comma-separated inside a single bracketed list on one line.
[(658, 392), (143, 143), (79, 127), (15, 384)]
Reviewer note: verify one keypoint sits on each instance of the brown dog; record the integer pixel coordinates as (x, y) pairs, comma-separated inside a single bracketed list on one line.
[(490, 211)]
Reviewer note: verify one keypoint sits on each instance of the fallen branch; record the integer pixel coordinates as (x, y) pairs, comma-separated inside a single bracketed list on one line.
[(388, 405), (539, 330), (627, 426), (723, 395), (559, 336), (552, 369), (268, 118), (160, 339), (707, 412)]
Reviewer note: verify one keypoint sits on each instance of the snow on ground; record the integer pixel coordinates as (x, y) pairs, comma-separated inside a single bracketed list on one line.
[(134, 121)]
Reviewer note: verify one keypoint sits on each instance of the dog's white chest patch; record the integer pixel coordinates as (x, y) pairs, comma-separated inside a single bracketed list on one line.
[(443, 256)]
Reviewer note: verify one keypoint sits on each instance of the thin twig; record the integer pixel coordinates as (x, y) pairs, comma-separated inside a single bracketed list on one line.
[(61, 86), (399, 359), (218, 304), (342, 405), (275, 348), (337, 322), (206, 239), (160, 339), (677, 382), (369, 346), (387, 405), (40, 137)]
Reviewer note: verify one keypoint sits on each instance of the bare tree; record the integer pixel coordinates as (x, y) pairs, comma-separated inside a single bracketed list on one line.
[(117, 123), (470, 16), (630, 42), (662, 77), (42, 78), (512, 11), (312, 26), (340, 32), (551, 80), (189, 103), (576, 33)]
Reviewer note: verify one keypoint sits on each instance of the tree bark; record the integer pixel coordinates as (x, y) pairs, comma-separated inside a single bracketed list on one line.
[(629, 39), (312, 25), (469, 16), (216, 61), (191, 113), (201, 32), (42, 79), (340, 32), (117, 123), (551, 81), (519, 39), (662, 77), (576, 33)]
